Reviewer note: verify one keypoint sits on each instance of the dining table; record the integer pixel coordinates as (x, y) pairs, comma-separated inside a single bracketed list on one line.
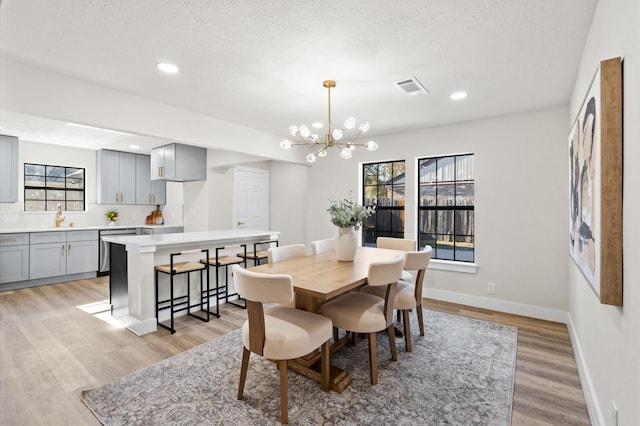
[(321, 277)]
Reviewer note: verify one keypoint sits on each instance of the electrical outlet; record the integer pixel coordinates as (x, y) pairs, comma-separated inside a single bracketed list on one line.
[(614, 414), (491, 289)]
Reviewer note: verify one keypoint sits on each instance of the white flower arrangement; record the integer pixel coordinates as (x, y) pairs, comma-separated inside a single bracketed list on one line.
[(346, 213)]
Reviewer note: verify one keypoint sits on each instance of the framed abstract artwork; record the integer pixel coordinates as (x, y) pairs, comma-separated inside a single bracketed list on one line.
[(595, 183)]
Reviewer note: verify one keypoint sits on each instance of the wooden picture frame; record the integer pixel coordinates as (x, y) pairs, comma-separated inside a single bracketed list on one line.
[(595, 158)]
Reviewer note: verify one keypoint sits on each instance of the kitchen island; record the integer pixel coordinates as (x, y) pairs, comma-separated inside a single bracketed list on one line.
[(133, 259)]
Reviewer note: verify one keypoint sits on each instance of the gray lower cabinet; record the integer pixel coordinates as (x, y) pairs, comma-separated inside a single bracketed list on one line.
[(53, 254), (14, 258), (162, 230)]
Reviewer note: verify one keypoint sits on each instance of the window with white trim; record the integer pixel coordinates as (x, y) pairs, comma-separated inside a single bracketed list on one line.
[(446, 206), (384, 188)]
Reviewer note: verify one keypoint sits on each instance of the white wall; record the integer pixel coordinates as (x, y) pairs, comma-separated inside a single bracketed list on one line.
[(608, 338), (521, 206), (32, 152), (289, 197)]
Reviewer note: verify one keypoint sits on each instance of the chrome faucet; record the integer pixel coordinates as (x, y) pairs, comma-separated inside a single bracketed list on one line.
[(59, 217)]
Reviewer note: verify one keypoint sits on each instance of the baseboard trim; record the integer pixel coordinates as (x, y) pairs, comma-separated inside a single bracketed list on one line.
[(589, 391), (538, 312)]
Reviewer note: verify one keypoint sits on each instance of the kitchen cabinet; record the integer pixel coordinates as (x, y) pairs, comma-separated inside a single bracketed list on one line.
[(14, 257), (116, 177), (162, 230), (58, 253), (148, 191), (8, 169), (179, 163)]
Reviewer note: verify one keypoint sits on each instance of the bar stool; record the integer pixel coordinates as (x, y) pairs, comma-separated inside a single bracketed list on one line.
[(181, 303), (222, 292), (259, 255)]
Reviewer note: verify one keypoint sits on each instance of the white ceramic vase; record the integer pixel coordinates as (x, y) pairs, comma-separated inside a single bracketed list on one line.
[(346, 244)]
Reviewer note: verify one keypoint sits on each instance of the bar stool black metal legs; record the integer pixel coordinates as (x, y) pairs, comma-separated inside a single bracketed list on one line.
[(181, 303), (259, 252), (221, 292)]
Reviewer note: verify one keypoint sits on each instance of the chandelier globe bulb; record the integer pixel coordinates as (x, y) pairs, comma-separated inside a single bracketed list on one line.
[(364, 127), (345, 153), (350, 123)]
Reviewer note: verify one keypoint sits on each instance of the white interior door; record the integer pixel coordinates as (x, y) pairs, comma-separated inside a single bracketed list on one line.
[(250, 198)]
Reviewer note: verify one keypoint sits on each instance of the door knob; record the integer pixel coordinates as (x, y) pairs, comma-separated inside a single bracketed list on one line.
[(240, 223)]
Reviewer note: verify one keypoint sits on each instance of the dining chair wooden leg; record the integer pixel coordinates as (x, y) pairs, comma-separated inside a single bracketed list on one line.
[(325, 367), (335, 334), (284, 398), (392, 342), (420, 319), (407, 330), (398, 315), (246, 353), (373, 358)]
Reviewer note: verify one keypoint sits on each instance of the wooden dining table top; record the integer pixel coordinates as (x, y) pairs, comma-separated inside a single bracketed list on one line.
[(323, 276)]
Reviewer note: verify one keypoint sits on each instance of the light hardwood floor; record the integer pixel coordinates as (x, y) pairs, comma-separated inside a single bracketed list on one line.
[(56, 341)]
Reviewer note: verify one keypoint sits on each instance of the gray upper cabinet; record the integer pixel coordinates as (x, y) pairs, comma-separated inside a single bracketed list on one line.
[(178, 163), (148, 191), (8, 169), (116, 177)]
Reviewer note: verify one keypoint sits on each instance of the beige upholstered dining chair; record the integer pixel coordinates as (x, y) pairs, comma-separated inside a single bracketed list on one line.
[(398, 244), (279, 333), (282, 253), (358, 312), (409, 296), (323, 246)]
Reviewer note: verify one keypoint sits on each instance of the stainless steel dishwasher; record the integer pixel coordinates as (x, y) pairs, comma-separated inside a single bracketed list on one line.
[(104, 246)]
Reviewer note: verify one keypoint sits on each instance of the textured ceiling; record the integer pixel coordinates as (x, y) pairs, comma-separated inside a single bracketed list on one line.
[(261, 63)]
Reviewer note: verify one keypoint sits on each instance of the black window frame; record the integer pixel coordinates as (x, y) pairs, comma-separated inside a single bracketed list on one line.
[(371, 225), (462, 213), (63, 184)]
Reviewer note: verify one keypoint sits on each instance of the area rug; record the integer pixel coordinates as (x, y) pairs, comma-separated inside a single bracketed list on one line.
[(460, 373)]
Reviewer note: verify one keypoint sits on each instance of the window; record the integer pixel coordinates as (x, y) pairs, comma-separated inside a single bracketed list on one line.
[(446, 206), (47, 186), (383, 187)]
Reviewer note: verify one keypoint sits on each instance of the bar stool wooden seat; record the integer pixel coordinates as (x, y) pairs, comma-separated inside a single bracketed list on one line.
[(259, 252), (224, 261), (182, 303)]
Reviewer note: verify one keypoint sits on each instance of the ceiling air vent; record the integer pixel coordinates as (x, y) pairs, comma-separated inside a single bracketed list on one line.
[(411, 86)]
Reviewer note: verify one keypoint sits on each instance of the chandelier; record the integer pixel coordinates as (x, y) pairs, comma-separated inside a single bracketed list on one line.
[(335, 138)]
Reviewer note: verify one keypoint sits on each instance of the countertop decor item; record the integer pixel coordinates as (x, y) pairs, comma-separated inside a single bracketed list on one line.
[(347, 215), (112, 217), (333, 138)]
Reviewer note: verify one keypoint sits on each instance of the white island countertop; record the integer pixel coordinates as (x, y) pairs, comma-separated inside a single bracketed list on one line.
[(144, 252), (188, 239)]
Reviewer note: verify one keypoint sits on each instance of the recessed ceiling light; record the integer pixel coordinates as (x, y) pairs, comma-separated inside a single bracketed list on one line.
[(167, 67), (456, 96), (134, 146), (317, 125)]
